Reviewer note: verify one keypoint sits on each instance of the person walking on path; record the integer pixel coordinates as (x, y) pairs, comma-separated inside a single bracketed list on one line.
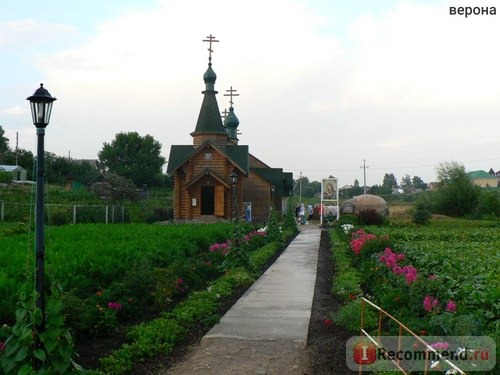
[(310, 211), (302, 214)]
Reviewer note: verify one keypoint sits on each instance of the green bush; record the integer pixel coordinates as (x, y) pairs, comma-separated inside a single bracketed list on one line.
[(488, 204), (421, 215), (273, 228), (29, 350), (289, 223), (5, 177), (349, 316), (347, 284), (370, 216)]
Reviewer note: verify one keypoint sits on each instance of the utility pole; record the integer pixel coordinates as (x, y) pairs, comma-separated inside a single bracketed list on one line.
[(17, 148), (364, 166), (300, 187)]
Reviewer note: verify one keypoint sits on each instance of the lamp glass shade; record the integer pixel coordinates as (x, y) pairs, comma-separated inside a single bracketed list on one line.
[(41, 107), (233, 178)]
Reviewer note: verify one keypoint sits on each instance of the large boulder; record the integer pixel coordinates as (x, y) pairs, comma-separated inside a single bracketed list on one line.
[(363, 202)]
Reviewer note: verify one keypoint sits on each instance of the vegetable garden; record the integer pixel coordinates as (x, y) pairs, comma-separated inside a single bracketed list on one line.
[(110, 276)]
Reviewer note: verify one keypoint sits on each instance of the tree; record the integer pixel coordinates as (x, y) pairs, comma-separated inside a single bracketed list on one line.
[(4, 142), (134, 157), (357, 190), (25, 159), (406, 183), (62, 169), (418, 183), (456, 194), (389, 183)]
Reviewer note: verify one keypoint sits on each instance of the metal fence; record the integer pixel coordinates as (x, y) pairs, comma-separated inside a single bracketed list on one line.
[(60, 214), (402, 330)]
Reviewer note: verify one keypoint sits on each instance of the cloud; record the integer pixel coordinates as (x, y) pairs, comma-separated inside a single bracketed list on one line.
[(393, 88), (16, 111), (421, 57), (25, 33)]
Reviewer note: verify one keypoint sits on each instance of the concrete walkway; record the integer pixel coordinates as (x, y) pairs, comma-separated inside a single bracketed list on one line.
[(265, 332)]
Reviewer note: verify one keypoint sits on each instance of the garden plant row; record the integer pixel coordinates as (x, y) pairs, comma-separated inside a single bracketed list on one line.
[(103, 278)]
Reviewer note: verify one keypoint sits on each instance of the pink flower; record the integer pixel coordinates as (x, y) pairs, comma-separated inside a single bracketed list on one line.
[(2, 346), (115, 306), (398, 270), (410, 273), (431, 277), (358, 239), (440, 345), (389, 257), (430, 302), (179, 281), (451, 306)]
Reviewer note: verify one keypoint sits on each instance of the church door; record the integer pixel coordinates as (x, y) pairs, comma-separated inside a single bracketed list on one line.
[(207, 200), (219, 200)]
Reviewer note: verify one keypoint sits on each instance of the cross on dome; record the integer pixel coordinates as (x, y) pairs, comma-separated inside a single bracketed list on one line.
[(210, 39), (231, 94)]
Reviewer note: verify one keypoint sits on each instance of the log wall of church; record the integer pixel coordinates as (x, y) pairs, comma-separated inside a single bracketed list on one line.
[(257, 191)]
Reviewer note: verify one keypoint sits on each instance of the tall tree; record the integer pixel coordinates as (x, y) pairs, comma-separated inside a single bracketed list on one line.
[(389, 182), (134, 157), (456, 194), (4, 142), (406, 183), (418, 183)]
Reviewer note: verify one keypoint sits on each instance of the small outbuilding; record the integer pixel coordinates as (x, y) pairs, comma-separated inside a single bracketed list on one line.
[(18, 173)]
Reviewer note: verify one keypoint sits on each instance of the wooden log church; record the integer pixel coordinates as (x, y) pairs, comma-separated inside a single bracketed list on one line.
[(216, 178)]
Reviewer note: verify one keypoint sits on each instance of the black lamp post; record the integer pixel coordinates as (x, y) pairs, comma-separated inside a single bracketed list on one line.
[(233, 178), (41, 107)]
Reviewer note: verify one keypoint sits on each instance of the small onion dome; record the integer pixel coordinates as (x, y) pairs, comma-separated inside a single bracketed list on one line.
[(209, 76), (231, 119)]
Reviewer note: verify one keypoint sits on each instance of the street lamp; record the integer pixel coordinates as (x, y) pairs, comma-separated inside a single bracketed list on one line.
[(41, 108), (233, 178)]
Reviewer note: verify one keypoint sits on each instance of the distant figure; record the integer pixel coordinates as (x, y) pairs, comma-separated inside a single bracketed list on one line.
[(297, 211), (248, 213), (310, 211), (302, 214)]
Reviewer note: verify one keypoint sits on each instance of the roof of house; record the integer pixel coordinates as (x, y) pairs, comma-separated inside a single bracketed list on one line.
[(475, 175), (10, 168)]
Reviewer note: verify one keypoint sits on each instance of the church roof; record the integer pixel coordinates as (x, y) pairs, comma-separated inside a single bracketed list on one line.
[(282, 181), (209, 120), (236, 154)]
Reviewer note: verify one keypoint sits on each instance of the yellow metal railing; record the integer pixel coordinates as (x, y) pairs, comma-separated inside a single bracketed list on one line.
[(377, 342)]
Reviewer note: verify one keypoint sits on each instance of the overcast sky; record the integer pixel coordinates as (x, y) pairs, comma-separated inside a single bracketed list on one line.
[(322, 85)]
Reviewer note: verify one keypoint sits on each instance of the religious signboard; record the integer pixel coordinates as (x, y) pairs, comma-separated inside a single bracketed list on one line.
[(329, 198)]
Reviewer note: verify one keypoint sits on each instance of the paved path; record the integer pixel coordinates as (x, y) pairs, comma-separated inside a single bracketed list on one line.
[(265, 332)]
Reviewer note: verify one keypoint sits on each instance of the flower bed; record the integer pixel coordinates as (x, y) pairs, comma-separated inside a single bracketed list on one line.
[(437, 280)]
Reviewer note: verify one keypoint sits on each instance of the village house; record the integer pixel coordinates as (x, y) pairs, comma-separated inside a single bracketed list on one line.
[(484, 179), (215, 178)]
